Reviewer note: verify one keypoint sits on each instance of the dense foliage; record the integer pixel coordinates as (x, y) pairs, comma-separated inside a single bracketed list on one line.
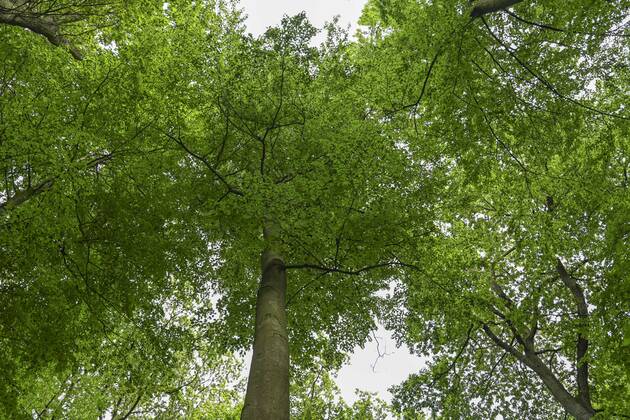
[(474, 167), (520, 116)]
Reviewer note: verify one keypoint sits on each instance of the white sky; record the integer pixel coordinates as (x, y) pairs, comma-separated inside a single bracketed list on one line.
[(397, 364), (265, 13), (367, 371), (391, 369)]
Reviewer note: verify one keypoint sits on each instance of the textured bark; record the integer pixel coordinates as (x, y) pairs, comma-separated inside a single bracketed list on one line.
[(22, 14), (267, 396), (572, 405), (483, 7)]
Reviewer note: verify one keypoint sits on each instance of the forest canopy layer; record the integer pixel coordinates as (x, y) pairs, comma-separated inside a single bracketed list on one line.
[(175, 191)]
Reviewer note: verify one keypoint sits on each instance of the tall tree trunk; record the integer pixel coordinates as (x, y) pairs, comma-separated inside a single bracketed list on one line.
[(267, 396)]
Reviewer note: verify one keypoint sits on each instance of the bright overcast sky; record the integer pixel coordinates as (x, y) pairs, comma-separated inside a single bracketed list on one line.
[(397, 364), (368, 372), (265, 13)]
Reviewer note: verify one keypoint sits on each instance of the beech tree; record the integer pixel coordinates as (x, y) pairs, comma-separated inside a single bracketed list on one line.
[(93, 319), (156, 178), (295, 137), (519, 112)]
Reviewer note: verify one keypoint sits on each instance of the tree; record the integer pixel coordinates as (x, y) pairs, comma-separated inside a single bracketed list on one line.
[(90, 218), (310, 143), (527, 133), (159, 181)]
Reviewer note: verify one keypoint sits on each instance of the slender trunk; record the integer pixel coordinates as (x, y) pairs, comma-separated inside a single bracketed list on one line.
[(530, 359), (572, 405), (267, 396)]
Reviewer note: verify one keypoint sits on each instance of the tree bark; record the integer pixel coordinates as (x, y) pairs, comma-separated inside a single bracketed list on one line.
[(571, 404), (483, 7), (267, 396)]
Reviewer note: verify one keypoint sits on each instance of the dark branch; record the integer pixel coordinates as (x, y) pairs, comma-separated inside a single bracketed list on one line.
[(553, 28), (424, 85), (379, 354), (538, 25), (344, 271), (207, 164), (14, 15), (457, 356), (133, 406), (505, 346), (543, 351), (544, 81)]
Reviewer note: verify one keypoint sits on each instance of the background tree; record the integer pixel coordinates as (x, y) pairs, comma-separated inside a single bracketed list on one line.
[(316, 396), (97, 261), (516, 115)]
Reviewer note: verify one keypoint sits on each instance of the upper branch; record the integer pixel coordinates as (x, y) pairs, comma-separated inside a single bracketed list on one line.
[(206, 163), (341, 270), (24, 195), (505, 346), (17, 15), (457, 356), (546, 83)]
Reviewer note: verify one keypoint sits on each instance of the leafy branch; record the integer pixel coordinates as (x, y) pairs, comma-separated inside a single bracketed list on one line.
[(230, 189)]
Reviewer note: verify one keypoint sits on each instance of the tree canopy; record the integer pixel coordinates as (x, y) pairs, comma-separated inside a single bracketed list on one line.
[(457, 171)]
